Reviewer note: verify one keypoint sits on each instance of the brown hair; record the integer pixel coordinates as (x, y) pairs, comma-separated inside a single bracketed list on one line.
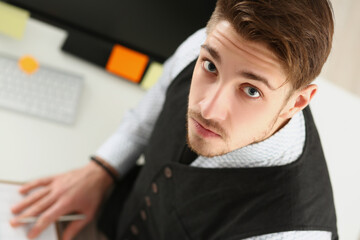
[(299, 32)]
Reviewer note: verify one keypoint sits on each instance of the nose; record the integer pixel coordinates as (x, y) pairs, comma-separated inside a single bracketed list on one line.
[(215, 105)]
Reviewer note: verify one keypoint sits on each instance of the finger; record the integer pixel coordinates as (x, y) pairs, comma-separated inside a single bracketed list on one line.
[(29, 200), (35, 210), (48, 217), (73, 229), (34, 184)]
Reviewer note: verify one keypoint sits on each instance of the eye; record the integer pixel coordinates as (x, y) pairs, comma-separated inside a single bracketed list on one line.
[(209, 66), (251, 92)]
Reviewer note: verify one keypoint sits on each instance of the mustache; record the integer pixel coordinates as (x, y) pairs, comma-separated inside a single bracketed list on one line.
[(209, 124)]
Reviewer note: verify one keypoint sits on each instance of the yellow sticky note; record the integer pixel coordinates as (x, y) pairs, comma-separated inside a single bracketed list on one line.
[(13, 20), (152, 75)]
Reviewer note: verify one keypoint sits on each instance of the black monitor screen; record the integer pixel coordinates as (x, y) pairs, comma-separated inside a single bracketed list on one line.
[(154, 27)]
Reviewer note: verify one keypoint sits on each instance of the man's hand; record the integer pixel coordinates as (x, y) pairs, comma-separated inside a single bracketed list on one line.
[(79, 191)]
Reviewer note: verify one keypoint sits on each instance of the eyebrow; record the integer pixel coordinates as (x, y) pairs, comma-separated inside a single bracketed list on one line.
[(212, 52), (245, 74), (253, 76)]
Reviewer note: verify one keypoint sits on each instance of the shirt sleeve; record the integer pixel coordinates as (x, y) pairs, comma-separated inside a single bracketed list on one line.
[(125, 146), (294, 235)]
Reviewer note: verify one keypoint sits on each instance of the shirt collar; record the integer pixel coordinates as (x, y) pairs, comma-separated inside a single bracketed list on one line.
[(284, 147)]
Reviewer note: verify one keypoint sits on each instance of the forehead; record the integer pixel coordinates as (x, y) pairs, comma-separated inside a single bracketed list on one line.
[(246, 55)]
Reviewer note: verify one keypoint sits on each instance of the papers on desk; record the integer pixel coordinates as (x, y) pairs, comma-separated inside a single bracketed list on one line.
[(13, 20), (8, 197)]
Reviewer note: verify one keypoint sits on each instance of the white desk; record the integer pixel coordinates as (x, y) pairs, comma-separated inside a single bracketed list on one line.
[(337, 116), (32, 147)]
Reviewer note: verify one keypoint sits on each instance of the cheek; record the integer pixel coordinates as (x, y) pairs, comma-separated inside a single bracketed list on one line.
[(251, 117)]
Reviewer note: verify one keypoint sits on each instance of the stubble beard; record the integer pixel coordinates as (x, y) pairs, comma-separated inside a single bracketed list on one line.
[(200, 146)]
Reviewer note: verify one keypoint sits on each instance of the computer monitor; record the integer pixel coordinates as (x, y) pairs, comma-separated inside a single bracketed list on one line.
[(153, 27)]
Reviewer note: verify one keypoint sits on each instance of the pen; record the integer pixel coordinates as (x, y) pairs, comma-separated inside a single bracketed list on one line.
[(60, 219)]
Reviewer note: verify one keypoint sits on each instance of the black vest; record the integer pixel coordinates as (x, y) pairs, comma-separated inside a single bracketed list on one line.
[(171, 200)]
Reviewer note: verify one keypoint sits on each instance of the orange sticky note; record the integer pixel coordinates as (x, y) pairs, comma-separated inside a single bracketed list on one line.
[(127, 63), (28, 64)]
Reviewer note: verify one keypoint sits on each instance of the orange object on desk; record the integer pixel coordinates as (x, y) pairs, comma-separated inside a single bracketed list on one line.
[(127, 63), (28, 64)]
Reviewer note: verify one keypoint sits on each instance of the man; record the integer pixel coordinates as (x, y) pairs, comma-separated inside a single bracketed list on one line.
[(235, 156)]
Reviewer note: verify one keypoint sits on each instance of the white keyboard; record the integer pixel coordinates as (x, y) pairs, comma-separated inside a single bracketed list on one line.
[(48, 93)]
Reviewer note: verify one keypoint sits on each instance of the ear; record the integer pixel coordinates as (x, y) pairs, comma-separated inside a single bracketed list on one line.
[(299, 100)]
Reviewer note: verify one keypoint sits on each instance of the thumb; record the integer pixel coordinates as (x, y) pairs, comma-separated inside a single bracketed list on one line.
[(74, 228)]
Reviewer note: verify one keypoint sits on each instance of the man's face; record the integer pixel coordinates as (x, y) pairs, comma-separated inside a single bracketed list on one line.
[(237, 93)]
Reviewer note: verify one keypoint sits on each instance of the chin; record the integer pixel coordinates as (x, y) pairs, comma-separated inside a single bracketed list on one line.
[(205, 149)]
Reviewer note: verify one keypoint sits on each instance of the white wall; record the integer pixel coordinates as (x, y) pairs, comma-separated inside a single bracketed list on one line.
[(343, 66)]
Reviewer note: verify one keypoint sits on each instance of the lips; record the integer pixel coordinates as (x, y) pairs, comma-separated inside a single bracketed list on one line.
[(203, 131)]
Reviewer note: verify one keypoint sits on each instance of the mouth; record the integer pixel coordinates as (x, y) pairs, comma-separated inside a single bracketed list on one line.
[(204, 131)]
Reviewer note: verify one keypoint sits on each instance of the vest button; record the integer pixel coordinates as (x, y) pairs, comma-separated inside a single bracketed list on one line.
[(154, 187), (143, 215), (168, 172), (134, 230), (147, 201)]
